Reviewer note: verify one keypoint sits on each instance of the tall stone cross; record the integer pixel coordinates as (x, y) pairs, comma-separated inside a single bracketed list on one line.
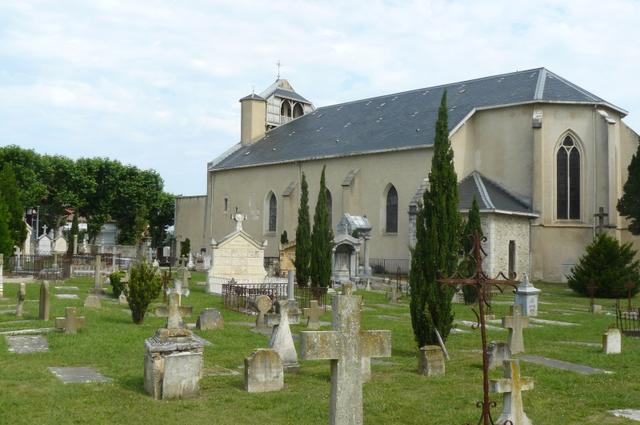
[(70, 323), (44, 229), (171, 309), (515, 323), (313, 314), (511, 386), (345, 346), (97, 277), (601, 216)]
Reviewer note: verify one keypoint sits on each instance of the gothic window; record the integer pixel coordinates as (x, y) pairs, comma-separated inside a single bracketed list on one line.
[(273, 213), (330, 207), (285, 109), (568, 180), (392, 211), (297, 110)]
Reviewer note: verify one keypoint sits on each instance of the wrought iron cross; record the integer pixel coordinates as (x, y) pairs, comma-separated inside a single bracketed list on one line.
[(483, 284), (600, 216)]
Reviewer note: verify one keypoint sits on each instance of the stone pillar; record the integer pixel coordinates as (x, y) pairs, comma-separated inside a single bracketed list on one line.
[(290, 287), (97, 279), (114, 253), (367, 266), (45, 301), (75, 244)]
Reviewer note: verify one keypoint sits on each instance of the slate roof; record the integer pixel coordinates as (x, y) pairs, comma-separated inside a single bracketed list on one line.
[(399, 121), (491, 197)]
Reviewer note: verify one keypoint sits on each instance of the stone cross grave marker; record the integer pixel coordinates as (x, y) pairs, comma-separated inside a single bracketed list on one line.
[(313, 314), (45, 301), (70, 323), (180, 289), (345, 346), (601, 215), (172, 310), (263, 304), (511, 386), (21, 295), (515, 323), (17, 254), (282, 340), (97, 277)]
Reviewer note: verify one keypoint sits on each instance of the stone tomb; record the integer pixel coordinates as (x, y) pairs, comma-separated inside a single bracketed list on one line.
[(173, 358), (345, 346), (515, 323), (282, 341), (263, 371), (45, 301), (70, 323), (27, 344), (511, 386), (210, 319), (612, 341)]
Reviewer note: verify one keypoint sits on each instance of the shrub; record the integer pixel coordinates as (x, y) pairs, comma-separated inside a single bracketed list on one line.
[(144, 286), (117, 285), (284, 238), (609, 266), (185, 248)]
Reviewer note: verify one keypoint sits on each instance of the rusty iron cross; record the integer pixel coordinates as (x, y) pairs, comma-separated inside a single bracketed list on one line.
[(483, 284)]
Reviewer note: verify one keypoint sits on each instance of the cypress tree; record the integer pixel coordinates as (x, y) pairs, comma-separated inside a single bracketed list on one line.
[(629, 204), (303, 236), (74, 231), (6, 243), (321, 240), (468, 266), (438, 240), (15, 209)]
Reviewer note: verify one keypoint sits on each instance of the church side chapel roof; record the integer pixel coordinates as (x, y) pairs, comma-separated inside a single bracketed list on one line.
[(399, 121), (490, 196)]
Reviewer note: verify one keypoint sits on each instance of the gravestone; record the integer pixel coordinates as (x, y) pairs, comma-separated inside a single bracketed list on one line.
[(282, 341), (431, 361), (45, 301), (210, 319), (294, 311), (392, 295), (263, 371), (92, 301), (515, 324), (27, 344), (21, 295), (345, 346), (262, 303), (70, 323), (612, 341), (97, 275), (173, 358), (498, 353), (511, 386), (122, 299), (527, 297), (313, 314)]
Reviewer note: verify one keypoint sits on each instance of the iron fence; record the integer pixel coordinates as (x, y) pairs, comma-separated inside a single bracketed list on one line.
[(628, 322), (389, 266), (39, 266), (237, 296)]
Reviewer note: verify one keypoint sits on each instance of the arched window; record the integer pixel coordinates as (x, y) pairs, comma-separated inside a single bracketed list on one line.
[(392, 211), (285, 109), (330, 207), (297, 110), (568, 180), (273, 213)]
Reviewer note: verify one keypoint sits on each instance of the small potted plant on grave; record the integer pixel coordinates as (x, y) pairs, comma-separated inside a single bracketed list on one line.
[(144, 286)]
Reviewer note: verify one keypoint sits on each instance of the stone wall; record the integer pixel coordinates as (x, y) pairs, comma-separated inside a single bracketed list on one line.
[(499, 230)]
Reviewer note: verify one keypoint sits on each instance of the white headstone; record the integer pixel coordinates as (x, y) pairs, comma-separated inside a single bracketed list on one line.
[(612, 341)]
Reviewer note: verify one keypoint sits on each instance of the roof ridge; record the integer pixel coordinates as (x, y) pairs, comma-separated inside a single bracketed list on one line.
[(504, 189), (576, 87), (472, 80), (482, 190), (542, 79)]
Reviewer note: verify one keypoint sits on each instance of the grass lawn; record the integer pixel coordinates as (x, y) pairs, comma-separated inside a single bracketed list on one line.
[(111, 343)]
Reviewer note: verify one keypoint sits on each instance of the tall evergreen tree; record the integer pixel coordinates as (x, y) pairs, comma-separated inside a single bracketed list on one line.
[(629, 204), (74, 231), (11, 195), (6, 243), (321, 240), (438, 240), (303, 236), (468, 265)]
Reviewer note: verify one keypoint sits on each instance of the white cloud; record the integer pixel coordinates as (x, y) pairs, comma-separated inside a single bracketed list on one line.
[(155, 83)]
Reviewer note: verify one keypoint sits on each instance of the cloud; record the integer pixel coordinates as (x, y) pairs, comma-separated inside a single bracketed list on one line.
[(157, 83)]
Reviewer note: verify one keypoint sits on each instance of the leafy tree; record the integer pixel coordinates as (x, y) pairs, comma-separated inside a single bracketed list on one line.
[(161, 217), (468, 265), (185, 248), (6, 244), (321, 240), (438, 239), (74, 231), (144, 286), (26, 165), (629, 204), (609, 266), (303, 236), (12, 200)]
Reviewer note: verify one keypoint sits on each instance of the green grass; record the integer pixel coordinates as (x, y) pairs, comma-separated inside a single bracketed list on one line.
[(111, 343)]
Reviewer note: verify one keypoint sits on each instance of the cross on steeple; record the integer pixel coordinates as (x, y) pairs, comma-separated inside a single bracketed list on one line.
[(601, 216), (278, 64)]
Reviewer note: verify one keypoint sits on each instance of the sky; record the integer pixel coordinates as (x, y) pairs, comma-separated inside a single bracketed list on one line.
[(156, 83)]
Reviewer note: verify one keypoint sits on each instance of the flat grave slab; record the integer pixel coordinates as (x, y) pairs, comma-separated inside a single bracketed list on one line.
[(27, 344), (67, 288), (28, 331), (581, 344), (633, 414), (458, 331), (474, 324), (67, 296), (386, 317), (78, 375), (220, 371), (559, 364), (245, 324), (399, 305), (552, 322)]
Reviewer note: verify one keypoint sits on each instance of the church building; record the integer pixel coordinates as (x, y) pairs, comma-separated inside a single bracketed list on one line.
[(545, 159)]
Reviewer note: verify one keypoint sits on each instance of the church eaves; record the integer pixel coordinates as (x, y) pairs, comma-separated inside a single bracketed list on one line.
[(400, 121)]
